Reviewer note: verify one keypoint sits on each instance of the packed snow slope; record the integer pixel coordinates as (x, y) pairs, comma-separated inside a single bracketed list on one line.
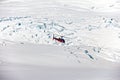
[(42, 62)]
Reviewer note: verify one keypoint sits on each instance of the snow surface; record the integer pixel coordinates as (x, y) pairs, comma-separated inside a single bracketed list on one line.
[(35, 62), (100, 34), (91, 30)]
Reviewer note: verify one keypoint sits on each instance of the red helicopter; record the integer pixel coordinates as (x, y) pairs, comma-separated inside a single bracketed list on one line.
[(60, 39)]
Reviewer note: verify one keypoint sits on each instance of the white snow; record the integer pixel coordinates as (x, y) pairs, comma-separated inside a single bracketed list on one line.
[(91, 29), (95, 32), (31, 61)]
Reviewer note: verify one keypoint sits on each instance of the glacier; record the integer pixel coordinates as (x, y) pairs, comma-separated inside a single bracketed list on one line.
[(90, 28), (101, 37)]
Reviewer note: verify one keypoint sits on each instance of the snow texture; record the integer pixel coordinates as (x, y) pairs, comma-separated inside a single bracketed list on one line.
[(90, 28)]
